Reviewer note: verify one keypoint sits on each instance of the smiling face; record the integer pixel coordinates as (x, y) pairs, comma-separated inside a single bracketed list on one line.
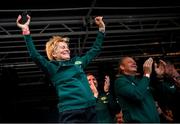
[(57, 48), (128, 66), (61, 51), (92, 79)]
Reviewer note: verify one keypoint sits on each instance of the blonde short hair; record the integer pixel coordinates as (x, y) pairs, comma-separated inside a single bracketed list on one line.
[(51, 44)]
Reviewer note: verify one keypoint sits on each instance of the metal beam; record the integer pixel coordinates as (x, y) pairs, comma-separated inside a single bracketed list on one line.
[(94, 32)]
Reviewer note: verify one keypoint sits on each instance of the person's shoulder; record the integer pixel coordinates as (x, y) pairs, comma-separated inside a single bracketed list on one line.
[(120, 76), (121, 79), (54, 62), (75, 58)]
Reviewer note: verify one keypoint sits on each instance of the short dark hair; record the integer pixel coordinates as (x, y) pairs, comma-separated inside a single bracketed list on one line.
[(120, 62), (89, 73)]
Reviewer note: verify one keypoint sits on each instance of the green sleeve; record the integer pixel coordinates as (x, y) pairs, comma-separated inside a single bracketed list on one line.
[(41, 61), (127, 89), (94, 51), (112, 103)]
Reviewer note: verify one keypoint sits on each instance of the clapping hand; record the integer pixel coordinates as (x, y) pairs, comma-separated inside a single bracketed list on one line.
[(106, 84), (160, 68), (147, 66)]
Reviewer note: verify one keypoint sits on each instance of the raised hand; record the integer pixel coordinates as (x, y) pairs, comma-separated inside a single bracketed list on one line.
[(24, 27), (160, 69), (94, 89), (106, 84), (147, 66), (100, 23)]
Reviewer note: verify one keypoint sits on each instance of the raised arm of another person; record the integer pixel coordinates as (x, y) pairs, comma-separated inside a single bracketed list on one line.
[(97, 45), (41, 61)]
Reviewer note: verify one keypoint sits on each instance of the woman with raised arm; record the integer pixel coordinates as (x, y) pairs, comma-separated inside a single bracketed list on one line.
[(76, 100)]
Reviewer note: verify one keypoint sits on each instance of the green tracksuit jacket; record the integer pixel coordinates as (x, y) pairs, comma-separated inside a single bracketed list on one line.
[(104, 114), (135, 99), (68, 76)]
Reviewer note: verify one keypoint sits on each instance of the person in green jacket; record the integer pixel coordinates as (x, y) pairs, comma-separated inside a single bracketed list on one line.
[(133, 93), (76, 100), (103, 105), (166, 80)]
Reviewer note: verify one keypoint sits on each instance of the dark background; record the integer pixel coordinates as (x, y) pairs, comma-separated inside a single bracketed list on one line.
[(140, 29)]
